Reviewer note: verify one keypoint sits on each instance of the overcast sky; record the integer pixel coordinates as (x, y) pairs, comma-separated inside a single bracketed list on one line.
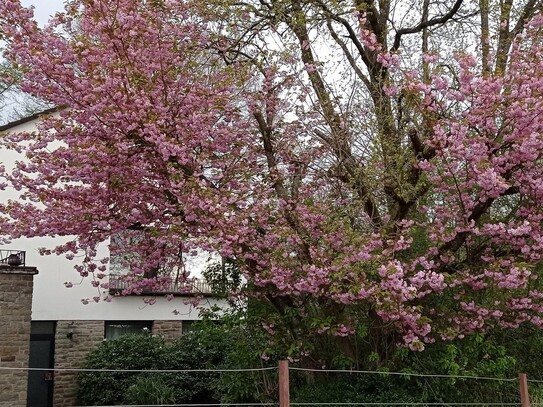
[(44, 8)]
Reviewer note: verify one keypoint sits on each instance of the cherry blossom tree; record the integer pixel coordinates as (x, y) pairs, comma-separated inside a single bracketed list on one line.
[(373, 168)]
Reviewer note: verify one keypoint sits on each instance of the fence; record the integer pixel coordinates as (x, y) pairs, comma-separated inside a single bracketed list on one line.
[(284, 389), (284, 398), (118, 283)]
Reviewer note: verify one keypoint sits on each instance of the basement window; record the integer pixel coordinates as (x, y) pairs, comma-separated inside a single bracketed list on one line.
[(116, 329)]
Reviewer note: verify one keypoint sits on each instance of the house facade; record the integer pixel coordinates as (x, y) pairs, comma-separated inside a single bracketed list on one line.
[(66, 323)]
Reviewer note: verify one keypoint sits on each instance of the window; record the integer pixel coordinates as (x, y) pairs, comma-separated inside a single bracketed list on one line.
[(116, 329)]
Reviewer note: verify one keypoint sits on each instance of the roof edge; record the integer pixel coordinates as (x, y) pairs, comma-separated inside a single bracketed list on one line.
[(28, 118)]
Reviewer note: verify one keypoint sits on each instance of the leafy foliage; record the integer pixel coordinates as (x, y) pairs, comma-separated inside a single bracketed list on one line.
[(224, 277), (475, 356), (238, 341), (150, 390), (148, 352), (352, 389), (195, 350), (127, 352)]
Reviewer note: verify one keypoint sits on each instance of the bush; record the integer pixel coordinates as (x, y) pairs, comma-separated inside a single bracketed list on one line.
[(238, 343), (352, 388), (195, 350), (126, 353), (150, 390), (190, 352)]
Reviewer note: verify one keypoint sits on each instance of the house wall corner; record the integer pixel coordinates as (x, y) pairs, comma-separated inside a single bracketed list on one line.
[(73, 342), (16, 285)]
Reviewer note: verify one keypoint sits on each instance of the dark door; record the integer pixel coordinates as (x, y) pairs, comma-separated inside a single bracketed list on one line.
[(42, 351)]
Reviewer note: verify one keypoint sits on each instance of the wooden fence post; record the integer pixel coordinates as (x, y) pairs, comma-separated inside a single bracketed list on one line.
[(284, 387), (524, 395)]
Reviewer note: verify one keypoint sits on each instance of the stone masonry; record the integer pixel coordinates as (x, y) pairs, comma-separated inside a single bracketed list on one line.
[(168, 329), (73, 341), (16, 284)]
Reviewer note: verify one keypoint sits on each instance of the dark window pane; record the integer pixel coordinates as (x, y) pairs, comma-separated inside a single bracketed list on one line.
[(116, 329)]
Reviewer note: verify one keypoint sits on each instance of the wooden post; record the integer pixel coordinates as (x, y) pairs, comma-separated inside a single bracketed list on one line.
[(524, 395), (284, 387)]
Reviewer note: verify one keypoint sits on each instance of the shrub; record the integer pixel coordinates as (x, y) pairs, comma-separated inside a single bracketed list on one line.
[(199, 349), (189, 352), (130, 352), (344, 388), (150, 390)]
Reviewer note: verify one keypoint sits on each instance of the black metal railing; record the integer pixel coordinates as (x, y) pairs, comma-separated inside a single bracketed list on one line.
[(119, 283), (13, 258)]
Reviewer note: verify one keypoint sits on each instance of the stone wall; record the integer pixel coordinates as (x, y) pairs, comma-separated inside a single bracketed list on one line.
[(168, 329), (16, 284), (73, 341)]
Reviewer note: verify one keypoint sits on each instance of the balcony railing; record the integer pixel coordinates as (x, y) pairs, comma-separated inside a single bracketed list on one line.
[(13, 258), (119, 284)]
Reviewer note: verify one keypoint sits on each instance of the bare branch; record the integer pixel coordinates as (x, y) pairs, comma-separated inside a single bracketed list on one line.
[(425, 24), (527, 13), (349, 56), (353, 36)]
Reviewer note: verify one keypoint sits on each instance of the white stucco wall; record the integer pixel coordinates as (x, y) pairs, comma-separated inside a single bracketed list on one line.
[(53, 301)]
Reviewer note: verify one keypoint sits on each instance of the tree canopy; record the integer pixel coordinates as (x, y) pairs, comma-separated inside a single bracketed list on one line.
[(372, 167)]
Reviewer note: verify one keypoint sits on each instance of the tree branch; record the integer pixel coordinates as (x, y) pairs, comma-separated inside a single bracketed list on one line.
[(478, 211), (425, 24), (349, 56)]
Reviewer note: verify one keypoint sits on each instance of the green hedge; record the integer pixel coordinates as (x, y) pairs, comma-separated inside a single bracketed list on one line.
[(148, 352)]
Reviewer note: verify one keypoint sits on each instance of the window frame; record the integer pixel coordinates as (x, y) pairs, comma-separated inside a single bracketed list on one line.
[(135, 324)]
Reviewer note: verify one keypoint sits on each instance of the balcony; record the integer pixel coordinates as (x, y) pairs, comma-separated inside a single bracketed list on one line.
[(13, 258), (120, 284)]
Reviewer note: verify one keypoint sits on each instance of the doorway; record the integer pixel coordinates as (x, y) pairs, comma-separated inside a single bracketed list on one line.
[(42, 355)]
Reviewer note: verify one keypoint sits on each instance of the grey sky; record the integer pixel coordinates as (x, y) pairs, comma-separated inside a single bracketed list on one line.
[(44, 8)]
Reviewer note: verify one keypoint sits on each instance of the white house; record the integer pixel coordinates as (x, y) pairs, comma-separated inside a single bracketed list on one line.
[(63, 328)]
